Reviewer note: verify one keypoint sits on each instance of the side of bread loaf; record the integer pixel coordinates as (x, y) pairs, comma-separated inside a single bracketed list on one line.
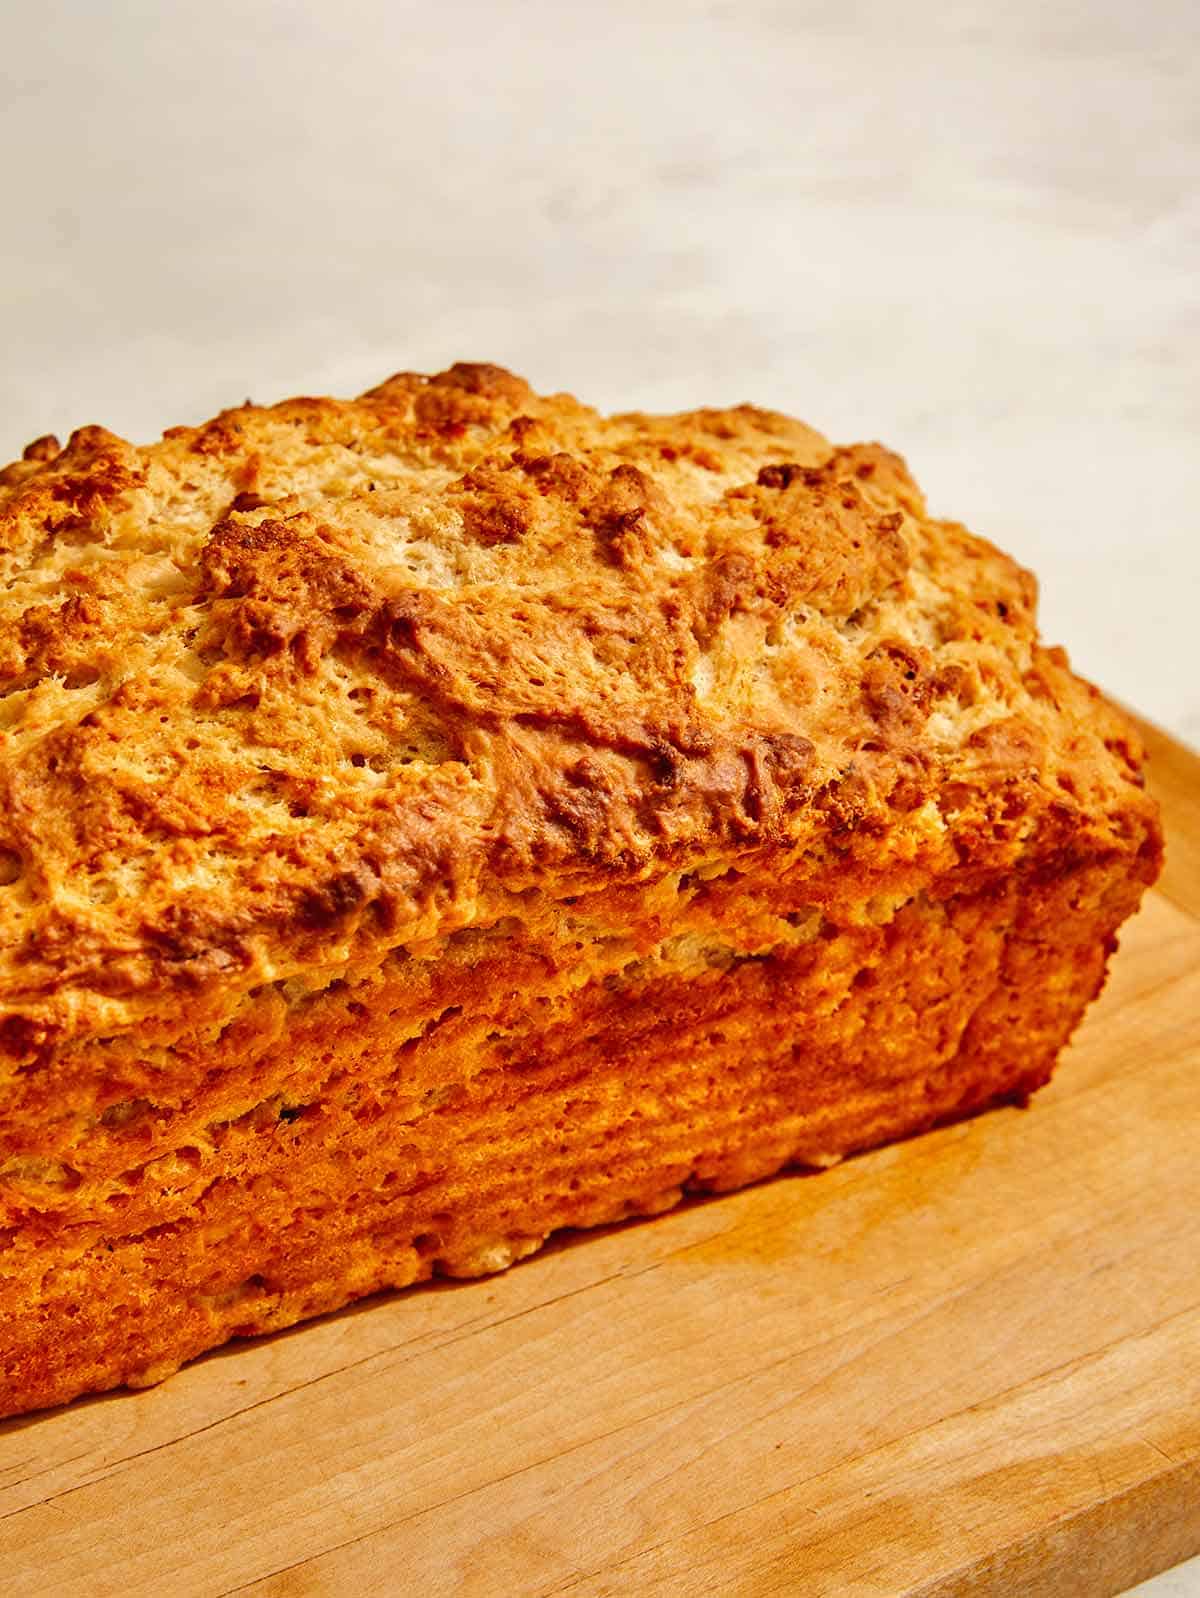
[(440, 818)]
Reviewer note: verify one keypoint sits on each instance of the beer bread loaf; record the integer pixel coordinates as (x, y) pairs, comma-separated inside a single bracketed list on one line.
[(435, 819)]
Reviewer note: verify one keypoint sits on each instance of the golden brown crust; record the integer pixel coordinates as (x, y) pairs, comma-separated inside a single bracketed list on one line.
[(438, 818), (311, 682), (446, 1114)]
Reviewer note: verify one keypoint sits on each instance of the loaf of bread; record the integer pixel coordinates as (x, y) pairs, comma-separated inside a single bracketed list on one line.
[(439, 818)]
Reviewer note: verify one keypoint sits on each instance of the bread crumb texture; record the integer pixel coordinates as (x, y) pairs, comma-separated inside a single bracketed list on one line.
[(396, 763)]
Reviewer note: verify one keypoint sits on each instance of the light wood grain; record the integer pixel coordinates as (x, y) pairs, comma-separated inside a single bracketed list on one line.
[(966, 1364)]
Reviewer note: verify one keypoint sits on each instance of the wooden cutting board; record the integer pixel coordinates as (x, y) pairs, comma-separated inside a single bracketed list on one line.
[(967, 1364)]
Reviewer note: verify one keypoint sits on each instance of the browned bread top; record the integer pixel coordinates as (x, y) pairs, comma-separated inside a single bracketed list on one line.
[(317, 680)]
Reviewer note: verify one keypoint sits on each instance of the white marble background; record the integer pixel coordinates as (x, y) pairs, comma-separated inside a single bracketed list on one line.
[(969, 229)]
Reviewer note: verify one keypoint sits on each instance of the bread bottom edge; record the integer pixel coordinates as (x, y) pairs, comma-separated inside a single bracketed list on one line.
[(409, 1266)]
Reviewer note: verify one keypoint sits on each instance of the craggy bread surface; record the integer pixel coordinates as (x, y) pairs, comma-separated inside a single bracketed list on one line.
[(437, 819), (316, 681)]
